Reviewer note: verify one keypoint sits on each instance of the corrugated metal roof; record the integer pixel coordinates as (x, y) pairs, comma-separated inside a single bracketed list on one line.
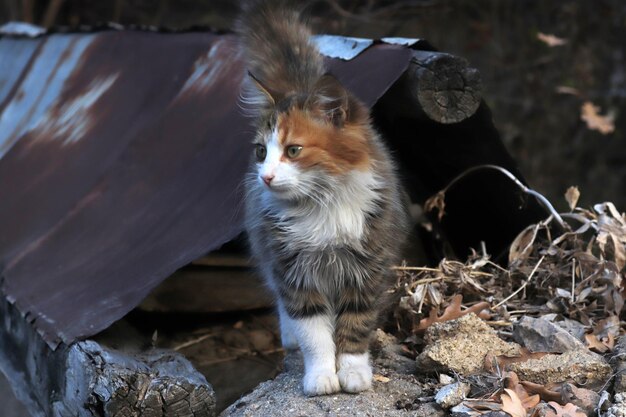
[(122, 154)]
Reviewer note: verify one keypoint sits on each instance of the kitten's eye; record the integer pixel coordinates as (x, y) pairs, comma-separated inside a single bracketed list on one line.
[(261, 152), (293, 151)]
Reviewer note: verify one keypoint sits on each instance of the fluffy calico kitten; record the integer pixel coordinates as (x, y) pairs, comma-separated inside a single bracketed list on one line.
[(324, 210)]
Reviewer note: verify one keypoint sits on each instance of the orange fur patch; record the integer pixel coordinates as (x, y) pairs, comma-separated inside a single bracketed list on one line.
[(338, 150)]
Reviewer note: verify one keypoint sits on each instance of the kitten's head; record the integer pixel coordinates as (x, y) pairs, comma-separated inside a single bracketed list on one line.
[(308, 142)]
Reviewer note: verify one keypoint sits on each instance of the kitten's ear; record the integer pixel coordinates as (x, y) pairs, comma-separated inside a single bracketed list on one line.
[(264, 93), (331, 99)]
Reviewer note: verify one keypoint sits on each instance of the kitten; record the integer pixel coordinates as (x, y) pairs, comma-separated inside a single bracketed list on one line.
[(324, 210)]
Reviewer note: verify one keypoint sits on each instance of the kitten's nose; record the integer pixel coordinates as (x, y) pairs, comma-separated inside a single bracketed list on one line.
[(267, 179)]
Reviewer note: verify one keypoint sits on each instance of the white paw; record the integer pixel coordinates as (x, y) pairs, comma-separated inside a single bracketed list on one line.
[(320, 383), (355, 378)]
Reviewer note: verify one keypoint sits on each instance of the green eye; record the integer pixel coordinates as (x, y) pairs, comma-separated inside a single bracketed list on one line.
[(293, 151), (261, 152)]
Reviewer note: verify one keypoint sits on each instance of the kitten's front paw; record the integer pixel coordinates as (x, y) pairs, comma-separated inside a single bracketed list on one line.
[(320, 383), (355, 378)]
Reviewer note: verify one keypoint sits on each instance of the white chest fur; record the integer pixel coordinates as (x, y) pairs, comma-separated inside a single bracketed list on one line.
[(340, 220)]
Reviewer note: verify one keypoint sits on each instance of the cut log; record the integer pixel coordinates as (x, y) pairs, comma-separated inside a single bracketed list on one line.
[(88, 379), (439, 87)]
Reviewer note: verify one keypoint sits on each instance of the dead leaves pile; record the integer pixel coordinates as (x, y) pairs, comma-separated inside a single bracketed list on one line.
[(526, 399), (577, 273), (573, 269), (580, 273)]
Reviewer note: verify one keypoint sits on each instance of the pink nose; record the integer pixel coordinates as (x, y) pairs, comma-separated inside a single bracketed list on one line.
[(267, 179)]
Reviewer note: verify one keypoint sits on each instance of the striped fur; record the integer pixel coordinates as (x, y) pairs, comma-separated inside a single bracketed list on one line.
[(326, 224)]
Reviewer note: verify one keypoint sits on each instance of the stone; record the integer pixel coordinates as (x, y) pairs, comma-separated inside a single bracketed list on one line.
[(283, 397), (387, 353), (450, 395), (618, 361), (585, 399), (460, 346), (581, 366), (573, 327), (461, 410), (540, 335), (618, 408)]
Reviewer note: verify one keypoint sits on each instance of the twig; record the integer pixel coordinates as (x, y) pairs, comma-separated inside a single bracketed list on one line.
[(523, 285), (415, 268), (426, 281), (518, 312), (427, 269), (193, 341), (544, 201), (573, 279), (495, 265), (502, 323)]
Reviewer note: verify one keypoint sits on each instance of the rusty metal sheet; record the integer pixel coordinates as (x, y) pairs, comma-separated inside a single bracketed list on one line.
[(122, 155)]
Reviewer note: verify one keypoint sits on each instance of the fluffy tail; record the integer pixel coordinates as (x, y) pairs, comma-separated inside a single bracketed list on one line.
[(277, 44)]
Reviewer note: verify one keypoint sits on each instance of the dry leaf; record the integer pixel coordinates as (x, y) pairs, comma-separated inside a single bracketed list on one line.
[(381, 378), (522, 246), (503, 361), (594, 344), (551, 40), (590, 115), (438, 202), (541, 390), (453, 311), (572, 195), (563, 89), (528, 401), (482, 405), (567, 410), (512, 404)]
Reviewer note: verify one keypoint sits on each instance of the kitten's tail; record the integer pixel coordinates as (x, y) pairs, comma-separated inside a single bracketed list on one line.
[(279, 53)]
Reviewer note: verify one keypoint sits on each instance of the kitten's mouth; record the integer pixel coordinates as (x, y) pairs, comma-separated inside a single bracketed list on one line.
[(279, 191)]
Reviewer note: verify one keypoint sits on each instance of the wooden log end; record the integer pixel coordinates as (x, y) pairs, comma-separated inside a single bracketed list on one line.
[(443, 87), (154, 384)]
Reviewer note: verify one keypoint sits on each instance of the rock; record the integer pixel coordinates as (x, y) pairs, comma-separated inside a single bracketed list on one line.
[(283, 397), (540, 335), (573, 327), (445, 379), (387, 353), (581, 366), (543, 410), (618, 409), (462, 410), (618, 361), (450, 395), (583, 398), (461, 345)]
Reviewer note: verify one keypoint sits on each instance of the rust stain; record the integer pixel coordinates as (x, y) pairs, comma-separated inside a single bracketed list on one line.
[(70, 120)]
